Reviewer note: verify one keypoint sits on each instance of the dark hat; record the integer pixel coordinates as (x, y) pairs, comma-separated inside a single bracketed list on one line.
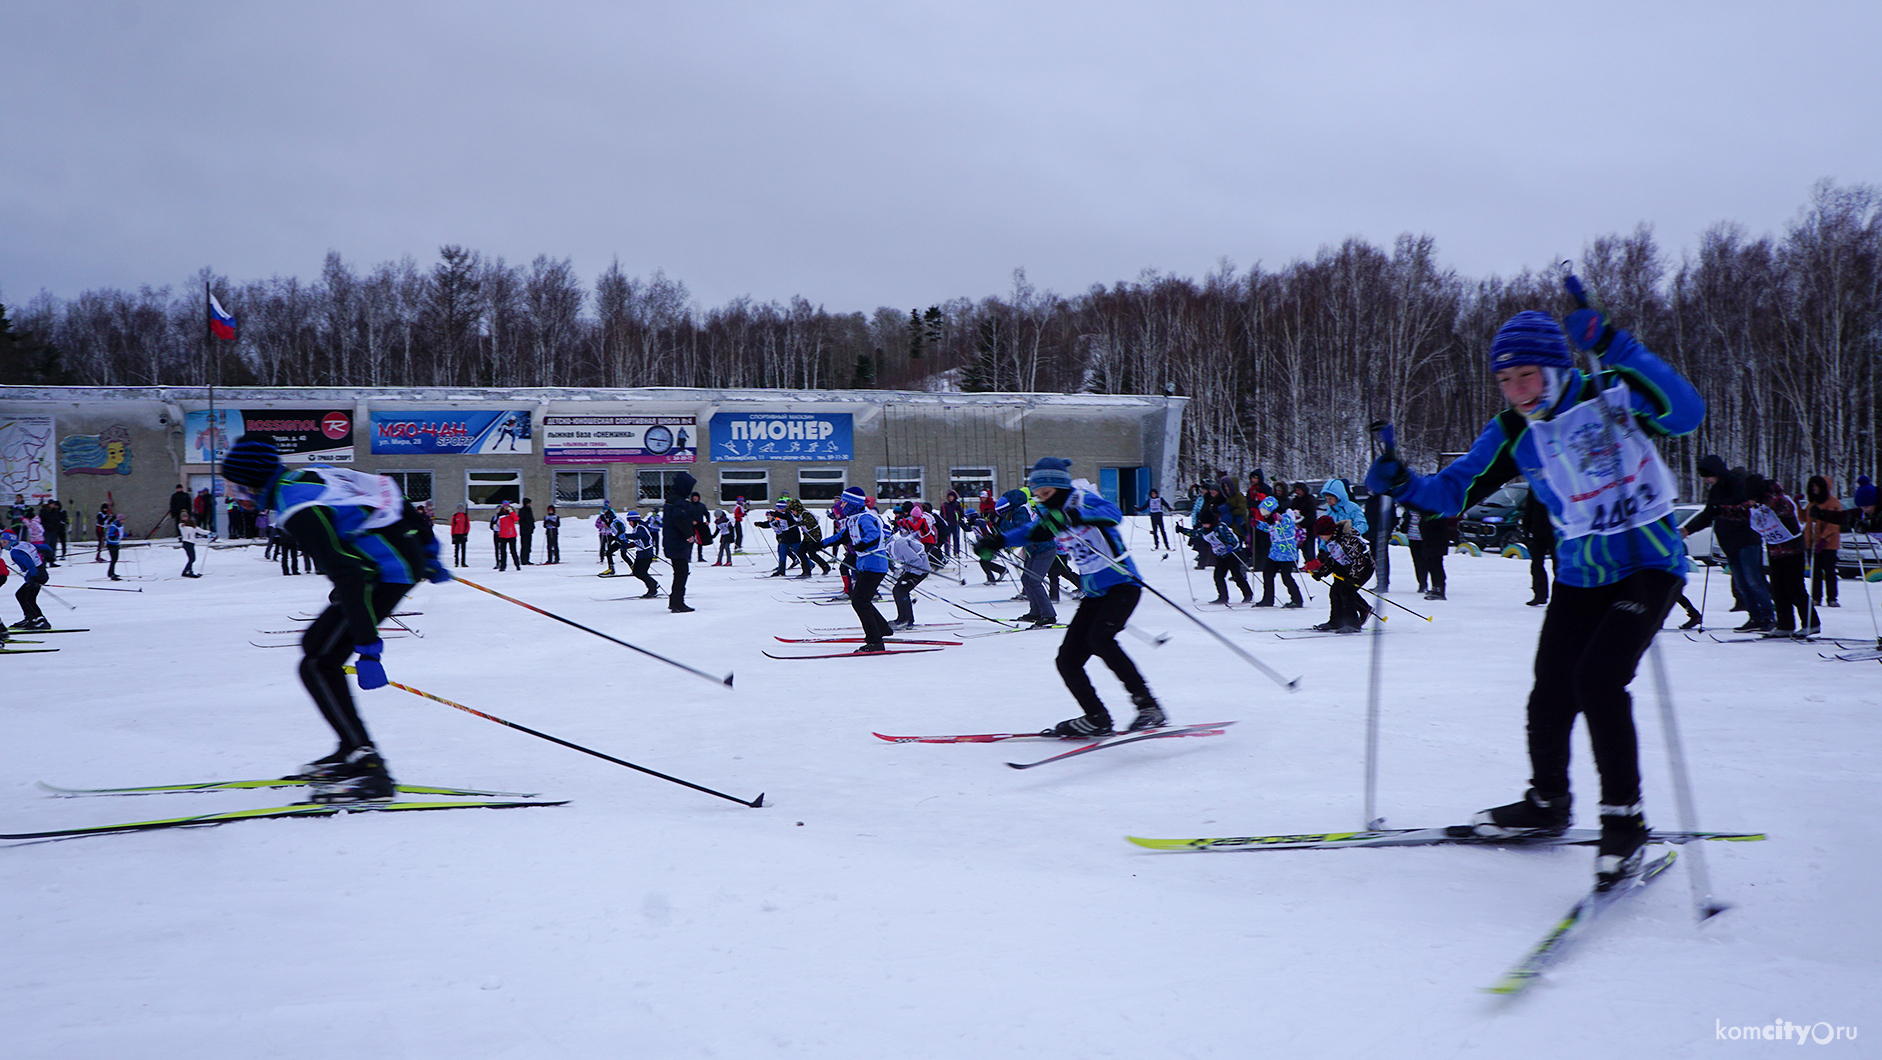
[(251, 462), (1530, 337), (1324, 526), (1712, 465)]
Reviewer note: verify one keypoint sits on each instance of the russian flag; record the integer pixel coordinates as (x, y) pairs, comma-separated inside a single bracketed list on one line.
[(221, 321)]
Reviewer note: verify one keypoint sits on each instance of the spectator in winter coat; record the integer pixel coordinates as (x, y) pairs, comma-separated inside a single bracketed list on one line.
[(179, 505), (551, 536), (505, 527), (1430, 537), (1822, 537), (1341, 507), (1539, 535), (526, 531), (1727, 511), (460, 537), (683, 522)]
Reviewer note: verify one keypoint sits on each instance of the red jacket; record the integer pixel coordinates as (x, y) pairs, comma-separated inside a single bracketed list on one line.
[(506, 524), (460, 523)]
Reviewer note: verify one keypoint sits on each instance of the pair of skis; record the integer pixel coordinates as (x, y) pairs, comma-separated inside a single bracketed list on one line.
[(469, 798), (1214, 728), (1553, 944)]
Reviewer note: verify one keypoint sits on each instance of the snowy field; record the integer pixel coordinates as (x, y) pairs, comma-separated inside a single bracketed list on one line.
[(903, 901)]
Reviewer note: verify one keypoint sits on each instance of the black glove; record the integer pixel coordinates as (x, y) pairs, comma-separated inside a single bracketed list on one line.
[(988, 544)]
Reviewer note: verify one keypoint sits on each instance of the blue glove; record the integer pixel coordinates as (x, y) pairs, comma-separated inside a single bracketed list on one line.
[(1387, 475), (367, 668), (1589, 329), (433, 568)]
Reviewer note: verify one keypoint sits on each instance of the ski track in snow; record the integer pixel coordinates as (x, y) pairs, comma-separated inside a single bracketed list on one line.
[(933, 903)]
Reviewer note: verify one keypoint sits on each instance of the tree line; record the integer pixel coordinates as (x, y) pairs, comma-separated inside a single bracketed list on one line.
[(1284, 367)]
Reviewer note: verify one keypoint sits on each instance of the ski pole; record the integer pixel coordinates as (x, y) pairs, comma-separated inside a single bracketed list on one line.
[(1270, 672), (726, 680), (1381, 596), (754, 804), (94, 588), (1705, 906), (1373, 822), (61, 602)]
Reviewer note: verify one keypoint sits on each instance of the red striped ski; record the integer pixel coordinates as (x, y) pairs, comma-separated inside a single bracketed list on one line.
[(1214, 728)]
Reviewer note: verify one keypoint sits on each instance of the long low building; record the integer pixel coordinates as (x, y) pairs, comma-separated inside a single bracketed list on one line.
[(580, 448)]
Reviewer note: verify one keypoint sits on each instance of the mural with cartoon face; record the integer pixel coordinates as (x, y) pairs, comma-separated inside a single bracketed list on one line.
[(106, 453)]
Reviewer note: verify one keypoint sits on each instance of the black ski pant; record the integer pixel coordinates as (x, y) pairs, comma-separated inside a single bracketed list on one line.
[(1093, 631), (1284, 568), (28, 596), (1823, 576), (1789, 595), (1428, 563), (904, 595), (290, 556), (460, 549), (325, 647), (1540, 561), (863, 588), (1345, 606), (529, 540), (1229, 565), (1158, 530), (552, 546), (681, 559), (1590, 647), (641, 563)]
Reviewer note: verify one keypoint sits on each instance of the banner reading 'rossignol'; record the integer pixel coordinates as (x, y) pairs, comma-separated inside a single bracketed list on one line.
[(457, 432), (782, 436), (620, 439), (302, 436)]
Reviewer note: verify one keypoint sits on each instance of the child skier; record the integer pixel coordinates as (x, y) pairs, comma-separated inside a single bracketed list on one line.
[(858, 525), (27, 562), (1226, 548), (637, 543), (374, 545), (1085, 524), (1584, 445), (1344, 559)]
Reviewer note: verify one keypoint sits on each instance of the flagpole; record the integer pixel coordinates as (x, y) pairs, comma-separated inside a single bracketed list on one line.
[(215, 434)]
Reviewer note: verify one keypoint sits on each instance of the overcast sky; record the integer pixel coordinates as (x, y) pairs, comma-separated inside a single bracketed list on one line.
[(893, 154)]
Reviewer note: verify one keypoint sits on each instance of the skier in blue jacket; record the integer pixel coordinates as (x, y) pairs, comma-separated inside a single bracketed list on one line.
[(363, 534), (1585, 445), (857, 523), (1085, 525)]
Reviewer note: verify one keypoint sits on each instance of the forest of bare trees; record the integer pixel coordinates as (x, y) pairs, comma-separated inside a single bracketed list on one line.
[(1783, 336)]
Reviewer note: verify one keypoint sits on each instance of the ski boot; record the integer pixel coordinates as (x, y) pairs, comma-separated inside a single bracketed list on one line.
[(871, 647), (1149, 713), (362, 777), (320, 768), (651, 593), (1082, 728), (1623, 843), (1533, 815)]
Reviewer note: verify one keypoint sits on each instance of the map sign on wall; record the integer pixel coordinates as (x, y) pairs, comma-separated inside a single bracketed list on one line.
[(26, 459), (619, 439), (759, 436), (457, 432), (302, 436)]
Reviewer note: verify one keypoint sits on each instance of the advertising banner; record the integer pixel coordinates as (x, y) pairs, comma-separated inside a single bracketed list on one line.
[(303, 436), (759, 436), (458, 432), (620, 439)]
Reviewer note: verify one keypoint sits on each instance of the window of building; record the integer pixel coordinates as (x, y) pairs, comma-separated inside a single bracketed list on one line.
[(898, 483), (821, 483), (485, 488), (653, 486), (752, 485), (576, 488), (969, 481), (416, 485)]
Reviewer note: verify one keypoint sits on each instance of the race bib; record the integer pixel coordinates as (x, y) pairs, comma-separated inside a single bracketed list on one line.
[(1769, 526), (1604, 468), (357, 489)]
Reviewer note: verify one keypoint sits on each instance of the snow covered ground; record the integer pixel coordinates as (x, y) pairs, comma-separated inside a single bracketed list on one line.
[(894, 900)]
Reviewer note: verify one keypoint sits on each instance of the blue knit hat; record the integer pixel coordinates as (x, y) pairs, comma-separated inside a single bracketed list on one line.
[(1053, 471), (1530, 337), (853, 499), (251, 462)]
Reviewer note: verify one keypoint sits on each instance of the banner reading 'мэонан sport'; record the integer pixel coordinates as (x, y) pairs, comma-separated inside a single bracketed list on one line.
[(452, 433)]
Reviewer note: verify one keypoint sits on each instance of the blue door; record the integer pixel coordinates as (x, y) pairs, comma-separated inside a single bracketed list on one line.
[(1107, 483)]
